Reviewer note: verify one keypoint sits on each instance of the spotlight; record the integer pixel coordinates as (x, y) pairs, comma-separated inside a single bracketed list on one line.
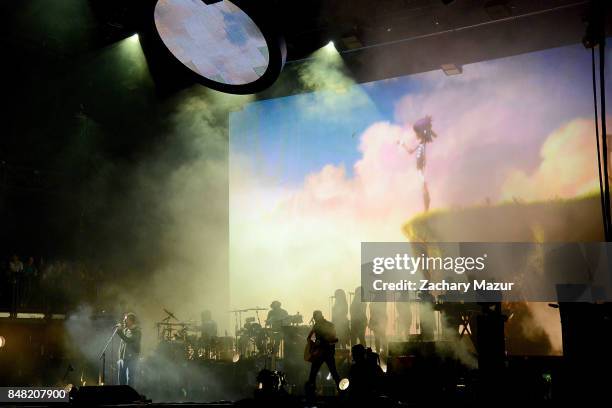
[(235, 357), (451, 69), (2, 341), (134, 38), (330, 46), (270, 382), (352, 42), (344, 384)]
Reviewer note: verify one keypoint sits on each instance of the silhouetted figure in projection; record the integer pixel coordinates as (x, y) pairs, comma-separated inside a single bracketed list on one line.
[(320, 348), (378, 324), (359, 319), (340, 318), (424, 134)]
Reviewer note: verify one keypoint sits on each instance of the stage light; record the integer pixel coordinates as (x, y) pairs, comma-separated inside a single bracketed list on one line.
[(219, 44), (451, 69), (2, 341), (344, 384), (134, 38), (352, 42), (235, 358), (30, 315), (270, 382), (330, 46)]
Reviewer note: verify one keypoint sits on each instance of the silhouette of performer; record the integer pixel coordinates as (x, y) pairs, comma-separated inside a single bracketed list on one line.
[(426, 315), (378, 324), (129, 349), (404, 317), (340, 318), (424, 134), (359, 319), (276, 316), (322, 340), (365, 375)]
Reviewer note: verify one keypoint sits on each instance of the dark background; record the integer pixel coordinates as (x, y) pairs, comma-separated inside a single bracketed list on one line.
[(80, 121)]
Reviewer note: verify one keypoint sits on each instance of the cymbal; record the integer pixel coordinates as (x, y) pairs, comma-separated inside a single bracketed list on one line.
[(247, 310)]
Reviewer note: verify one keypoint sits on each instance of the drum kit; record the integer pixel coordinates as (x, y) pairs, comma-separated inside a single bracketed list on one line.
[(254, 339), (187, 340)]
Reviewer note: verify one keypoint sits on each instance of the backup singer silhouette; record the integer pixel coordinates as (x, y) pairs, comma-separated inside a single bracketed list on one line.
[(378, 324), (340, 318), (359, 319)]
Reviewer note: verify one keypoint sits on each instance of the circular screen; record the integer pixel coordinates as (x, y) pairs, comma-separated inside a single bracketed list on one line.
[(219, 42)]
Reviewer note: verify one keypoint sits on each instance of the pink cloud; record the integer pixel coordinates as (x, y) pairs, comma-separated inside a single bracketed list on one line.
[(384, 181), (568, 166), (385, 186)]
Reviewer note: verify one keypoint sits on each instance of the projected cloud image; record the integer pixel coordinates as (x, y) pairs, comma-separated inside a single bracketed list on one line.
[(315, 174), (218, 41)]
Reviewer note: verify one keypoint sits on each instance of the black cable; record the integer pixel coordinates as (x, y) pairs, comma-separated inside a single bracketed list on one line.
[(604, 213), (604, 136)]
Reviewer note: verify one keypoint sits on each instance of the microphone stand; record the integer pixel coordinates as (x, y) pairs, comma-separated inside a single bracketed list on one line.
[(101, 378)]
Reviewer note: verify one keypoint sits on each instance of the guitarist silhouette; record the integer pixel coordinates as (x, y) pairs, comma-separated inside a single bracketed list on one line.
[(320, 348)]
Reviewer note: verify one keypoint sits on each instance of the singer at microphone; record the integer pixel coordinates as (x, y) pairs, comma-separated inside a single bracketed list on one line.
[(129, 349)]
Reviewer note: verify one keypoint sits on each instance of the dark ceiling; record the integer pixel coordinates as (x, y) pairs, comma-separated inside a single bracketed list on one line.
[(79, 122), (406, 36)]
